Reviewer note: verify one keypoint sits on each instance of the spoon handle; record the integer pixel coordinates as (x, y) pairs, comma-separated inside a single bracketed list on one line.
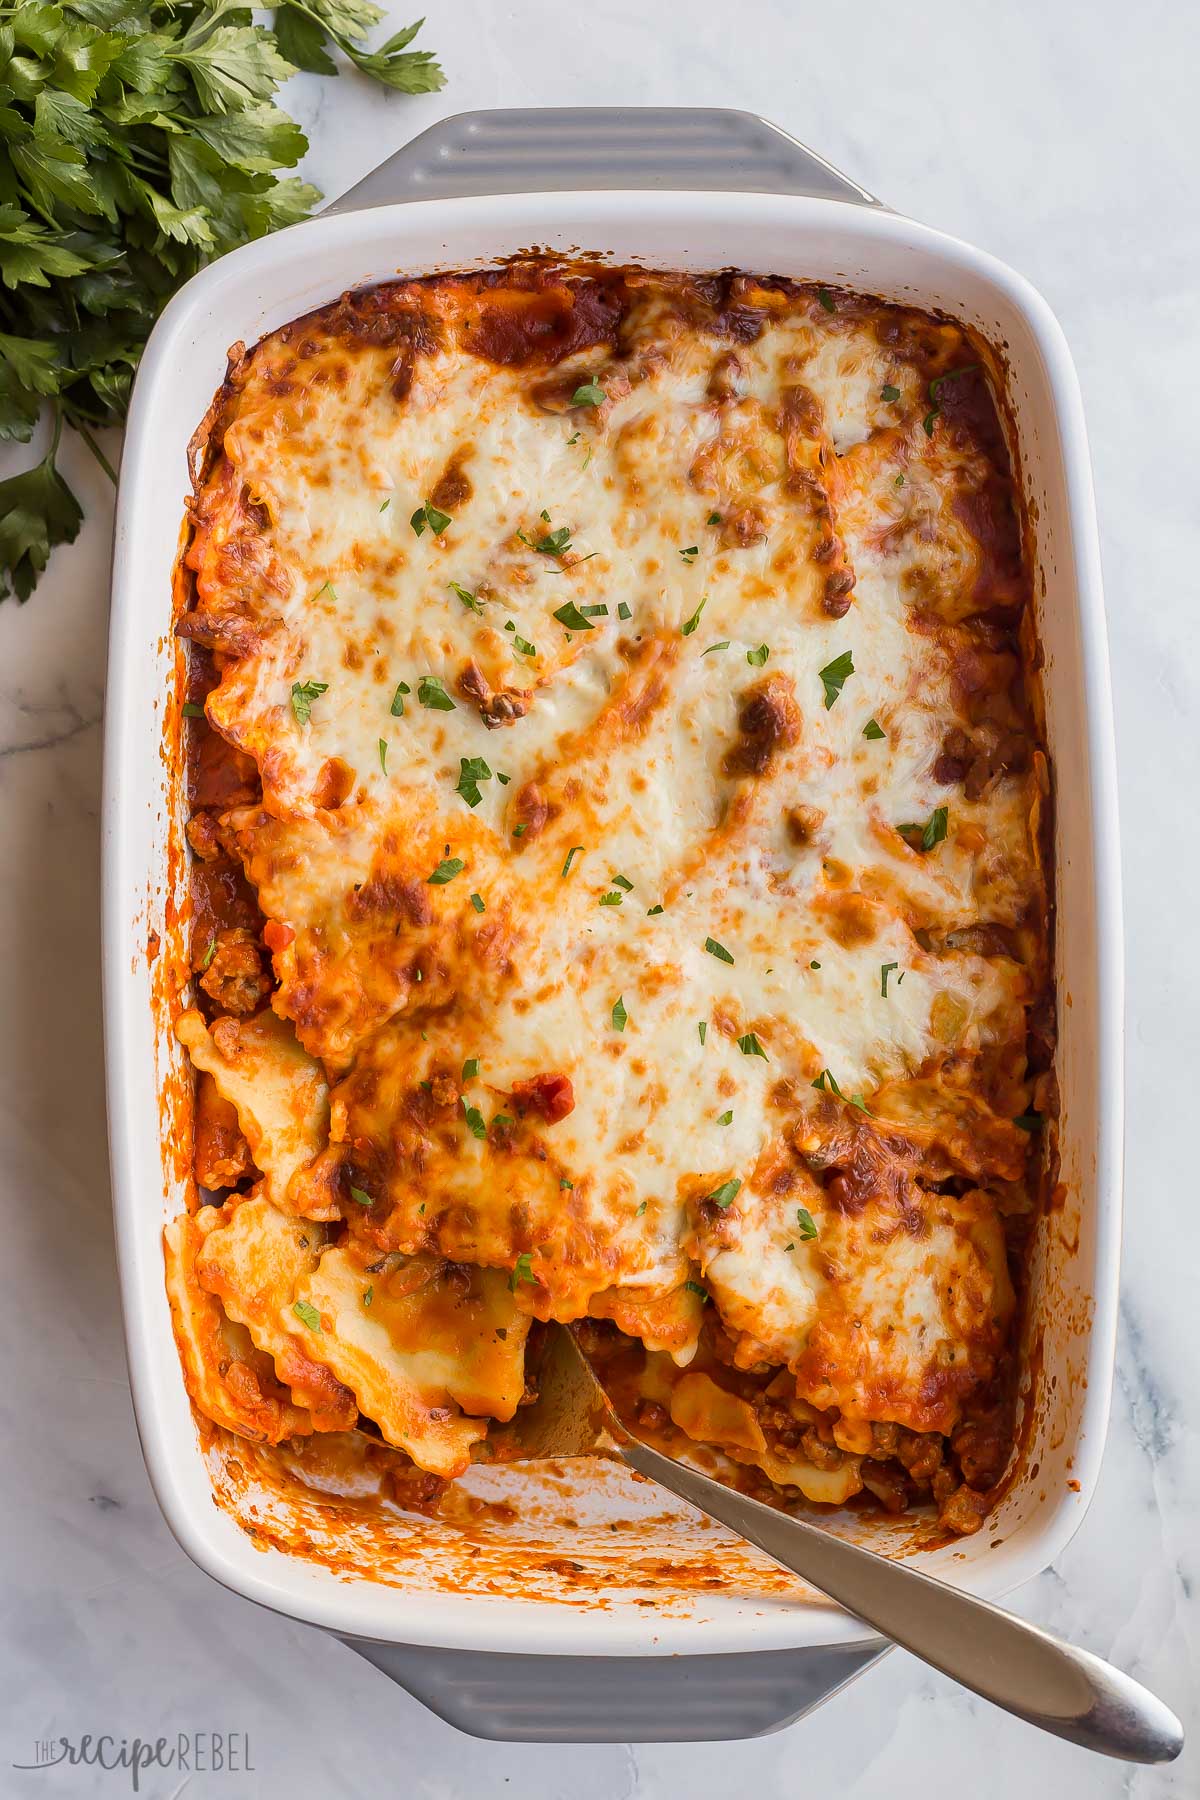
[(1016, 1666)]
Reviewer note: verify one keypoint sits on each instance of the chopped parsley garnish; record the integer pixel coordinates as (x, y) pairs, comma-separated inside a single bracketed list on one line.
[(471, 771), (570, 616), (826, 1082), (873, 729), (469, 600), (934, 386), (693, 1287), (924, 837), (589, 393), (620, 1017), (714, 518), (520, 644), (884, 972), (192, 711), (834, 676), (717, 950), (397, 707), (502, 778), (501, 1121), (806, 1222), (522, 1271), (726, 1194), (652, 911), (573, 439), (429, 515), (307, 1315), (470, 1068), (1030, 1121), (826, 299), (551, 543), (385, 506), (814, 965), (383, 750), (564, 1183), (756, 658), (362, 1197), (594, 612), (432, 693), (209, 954), (572, 853), (624, 610), (475, 1120), (477, 902), (622, 881), (368, 1294), (723, 645), (447, 869), (726, 1118), (702, 1028), (691, 553), (612, 899), (750, 1046), (641, 1209), (889, 393), (303, 695), (689, 625), (899, 481)]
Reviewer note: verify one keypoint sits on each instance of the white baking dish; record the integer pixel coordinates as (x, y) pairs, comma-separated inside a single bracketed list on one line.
[(1073, 1316)]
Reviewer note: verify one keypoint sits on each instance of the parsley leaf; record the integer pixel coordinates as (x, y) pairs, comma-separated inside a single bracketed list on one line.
[(432, 693), (834, 676), (717, 950), (570, 616), (756, 658), (572, 853), (589, 393), (522, 1271), (935, 387), (477, 902), (889, 393), (361, 1196), (427, 515), (723, 645), (873, 729), (469, 600), (397, 707), (191, 710), (726, 1194), (702, 1028), (307, 1314), (303, 695), (750, 1046), (470, 1068), (620, 1017), (714, 518), (383, 750), (806, 1222), (826, 1082), (826, 299), (925, 837), (725, 1118), (472, 770), (884, 971), (689, 625), (691, 553), (447, 869), (475, 1120), (624, 610)]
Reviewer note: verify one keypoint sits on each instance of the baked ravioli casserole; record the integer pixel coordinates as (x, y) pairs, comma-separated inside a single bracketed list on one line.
[(617, 805)]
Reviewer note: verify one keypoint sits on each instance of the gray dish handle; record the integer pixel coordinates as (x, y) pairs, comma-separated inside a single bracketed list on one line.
[(582, 1699), (557, 149)]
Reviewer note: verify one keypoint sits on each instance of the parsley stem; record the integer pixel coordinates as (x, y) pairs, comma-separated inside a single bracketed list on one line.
[(96, 451)]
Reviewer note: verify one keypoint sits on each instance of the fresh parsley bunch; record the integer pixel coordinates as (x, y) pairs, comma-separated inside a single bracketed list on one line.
[(137, 142)]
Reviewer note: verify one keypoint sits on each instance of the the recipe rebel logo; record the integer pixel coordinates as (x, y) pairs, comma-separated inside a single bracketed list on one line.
[(187, 1753)]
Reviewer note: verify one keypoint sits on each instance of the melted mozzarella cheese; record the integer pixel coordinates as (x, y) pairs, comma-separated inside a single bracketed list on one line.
[(578, 782)]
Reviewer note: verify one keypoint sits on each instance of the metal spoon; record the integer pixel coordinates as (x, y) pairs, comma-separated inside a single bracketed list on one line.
[(1014, 1665)]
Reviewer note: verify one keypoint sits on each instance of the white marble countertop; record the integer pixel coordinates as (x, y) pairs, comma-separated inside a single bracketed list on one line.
[(1064, 138)]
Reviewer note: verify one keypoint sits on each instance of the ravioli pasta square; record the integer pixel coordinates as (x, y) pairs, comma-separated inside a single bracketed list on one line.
[(623, 827)]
